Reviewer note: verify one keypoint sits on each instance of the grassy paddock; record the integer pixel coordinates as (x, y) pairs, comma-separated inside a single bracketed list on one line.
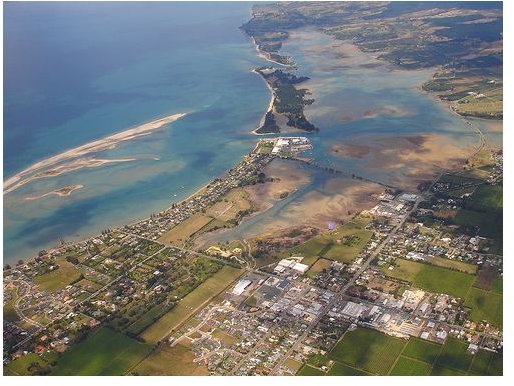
[(454, 264), (318, 266), (178, 235), (368, 350), (339, 369), (455, 356), (307, 370), (343, 244), (432, 278), (60, 278), (104, 352), (407, 366), (422, 350), (189, 304), (485, 305), (176, 360)]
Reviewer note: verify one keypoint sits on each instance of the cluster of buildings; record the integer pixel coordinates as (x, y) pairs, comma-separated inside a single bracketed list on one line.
[(270, 321), (393, 206), (290, 145), (111, 272), (246, 172)]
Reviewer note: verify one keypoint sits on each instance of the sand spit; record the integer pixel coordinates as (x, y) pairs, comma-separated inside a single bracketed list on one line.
[(62, 192), (270, 105), (49, 167)]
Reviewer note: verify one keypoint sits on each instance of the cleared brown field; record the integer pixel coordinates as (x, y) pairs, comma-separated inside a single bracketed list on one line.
[(181, 233), (176, 360)]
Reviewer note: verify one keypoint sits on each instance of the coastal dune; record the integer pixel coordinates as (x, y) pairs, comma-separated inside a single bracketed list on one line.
[(75, 158)]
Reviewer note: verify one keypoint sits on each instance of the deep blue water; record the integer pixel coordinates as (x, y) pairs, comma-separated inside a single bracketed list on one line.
[(75, 72), (78, 72)]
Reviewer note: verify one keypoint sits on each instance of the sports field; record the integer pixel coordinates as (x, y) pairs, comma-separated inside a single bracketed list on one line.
[(104, 352), (190, 303), (432, 278)]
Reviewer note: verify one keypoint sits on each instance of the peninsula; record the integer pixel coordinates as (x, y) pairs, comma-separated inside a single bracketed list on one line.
[(287, 102)]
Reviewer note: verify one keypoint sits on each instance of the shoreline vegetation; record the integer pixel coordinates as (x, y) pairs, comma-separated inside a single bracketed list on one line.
[(285, 110), (467, 78), (286, 104), (77, 158)]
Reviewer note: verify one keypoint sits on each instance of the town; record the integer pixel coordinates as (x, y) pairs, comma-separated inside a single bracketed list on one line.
[(376, 277)]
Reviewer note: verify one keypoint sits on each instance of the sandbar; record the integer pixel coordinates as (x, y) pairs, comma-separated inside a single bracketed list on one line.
[(48, 167)]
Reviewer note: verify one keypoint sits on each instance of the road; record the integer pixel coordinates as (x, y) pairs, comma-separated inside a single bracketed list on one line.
[(351, 282)]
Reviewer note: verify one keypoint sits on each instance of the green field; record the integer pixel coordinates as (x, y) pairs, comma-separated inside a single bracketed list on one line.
[(497, 286), (443, 371), (422, 350), (487, 197), (485, 363), (180, 234), (318, 266), (369, 350), (190, 303), (104, 352), (342, 369), (407, 366), (21, 365), (485, 305), (455, 356), (60, 278), (432, 278), (343, 244), (454, 264), (307, 370)]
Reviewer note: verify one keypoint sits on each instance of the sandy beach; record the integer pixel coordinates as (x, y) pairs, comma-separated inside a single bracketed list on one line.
[(270, 105), (49, 167), (62, 192), (265, 55)]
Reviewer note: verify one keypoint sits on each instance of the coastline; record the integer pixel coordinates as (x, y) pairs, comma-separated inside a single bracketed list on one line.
[(42, 168), (265, 55), (133, 133), (270, 105)]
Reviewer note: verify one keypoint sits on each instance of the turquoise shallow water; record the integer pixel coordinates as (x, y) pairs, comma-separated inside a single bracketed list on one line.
[(78, 72)]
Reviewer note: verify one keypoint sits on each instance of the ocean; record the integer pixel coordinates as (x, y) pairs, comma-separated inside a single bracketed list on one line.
[(76, 72)]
